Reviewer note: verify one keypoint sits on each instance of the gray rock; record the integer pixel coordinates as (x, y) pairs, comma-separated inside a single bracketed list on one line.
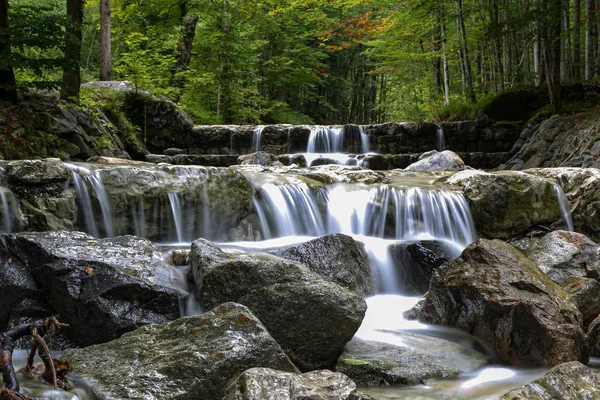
[(585, 293), (190, 358), (309, 316), (563, 255), (421, 358), (269, 384), (568, 381), (416, 262), (443, 161), (173, 151), (593, 337), (336, 257), (101, 287), (258, 158), (506, 204), (496, 294), (47, 170), (159, 158)]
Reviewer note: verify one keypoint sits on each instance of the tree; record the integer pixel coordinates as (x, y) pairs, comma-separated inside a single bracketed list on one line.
[(577, 39), (72, 71), (105, 42), (589, 39), (8, 86), (552, 11)]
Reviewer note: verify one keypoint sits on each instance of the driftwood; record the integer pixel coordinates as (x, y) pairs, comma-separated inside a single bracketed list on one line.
[(37, 330)]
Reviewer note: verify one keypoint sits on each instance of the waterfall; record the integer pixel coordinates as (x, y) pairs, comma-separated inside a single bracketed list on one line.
[(563, 204), (256, 137), (441, 140), (177, 219), (94, 180), (8, 211), (337, 140), (288, 210)]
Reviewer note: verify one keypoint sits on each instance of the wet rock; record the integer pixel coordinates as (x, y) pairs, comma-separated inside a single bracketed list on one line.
[(416, 262), (593, 337), (585, 293), (345, 174), (207, 160), (173, 151), (338, 258), (181, 257), (101, 287), (563, 255), (158, 158), (291, 159), (581, 186), (47, 209), (217, 197), (309, 316), (443, 161), (496, 294), (258, 158), (268, 384), (190, 358), (47, 170), (506, 204), (420, 358), (568, 381)]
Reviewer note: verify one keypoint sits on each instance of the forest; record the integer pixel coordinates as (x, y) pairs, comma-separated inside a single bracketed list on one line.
[(303, 61)]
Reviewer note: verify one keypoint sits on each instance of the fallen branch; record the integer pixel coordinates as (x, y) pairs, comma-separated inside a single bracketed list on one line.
[(38, 329)]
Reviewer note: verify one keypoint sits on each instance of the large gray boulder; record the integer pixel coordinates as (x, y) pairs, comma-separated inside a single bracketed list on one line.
[(311, 317), (581, 186), (496, 294), (337, 257), (568, 381), (593, 337), (101, 287), (507, 204), (370, 363), (438, 161), (42, 171), (190, 358), (563, 255), (269, 384), (585, 293), (415, 262)]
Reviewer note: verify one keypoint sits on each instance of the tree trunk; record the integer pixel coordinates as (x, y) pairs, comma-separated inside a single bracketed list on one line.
[(468, 77), (105, 43), (72, 73), (8, 86), (551, 51), (184, 50), (589, 39), (577, 39), (565, 66), (445, 62)]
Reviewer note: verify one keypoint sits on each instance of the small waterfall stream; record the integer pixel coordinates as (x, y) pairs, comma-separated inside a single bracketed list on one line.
[(336, 144), (563, 203), (256, 137), (441, 139)]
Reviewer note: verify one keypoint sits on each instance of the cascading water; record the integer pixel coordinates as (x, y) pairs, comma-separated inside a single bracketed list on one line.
[(334, 143), (563, 204), (441, 139), (256, 137), (7, 211)]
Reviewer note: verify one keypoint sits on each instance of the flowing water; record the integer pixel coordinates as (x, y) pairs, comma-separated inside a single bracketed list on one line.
[(256, 137), (290, 211), (336, 145), (441, 139), (563, 203)]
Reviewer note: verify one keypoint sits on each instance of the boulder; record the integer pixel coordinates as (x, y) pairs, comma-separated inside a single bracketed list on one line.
[(415, 263), (311, 317), (581, 186), (258, 158), (101, 287), (585, 293), (507, 204), (563, 255), (593, 337), (496, 294), (190, 358), (337, 257), (269, 384), (159, 158), (47, 170), (442, 161), (113, 160), (568, 381), (419, 358)]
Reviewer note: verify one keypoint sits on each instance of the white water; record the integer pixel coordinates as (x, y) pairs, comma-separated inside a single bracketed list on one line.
[(257, 137), (441, 140), (331, 142), (565, 211)]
